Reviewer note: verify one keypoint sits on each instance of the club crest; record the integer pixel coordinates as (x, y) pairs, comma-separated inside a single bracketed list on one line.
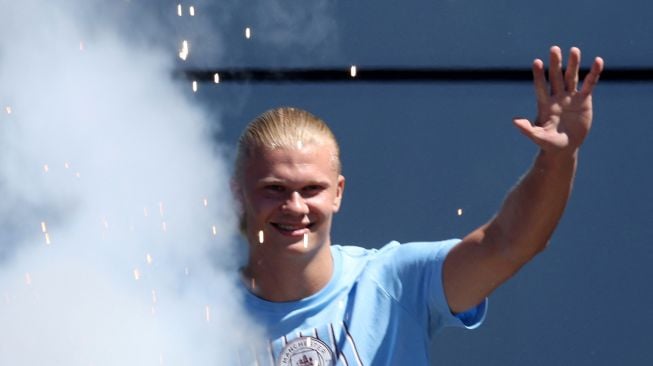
[(306, 351)]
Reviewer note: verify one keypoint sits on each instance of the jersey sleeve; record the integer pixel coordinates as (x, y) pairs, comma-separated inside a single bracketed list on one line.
[(412, 275)]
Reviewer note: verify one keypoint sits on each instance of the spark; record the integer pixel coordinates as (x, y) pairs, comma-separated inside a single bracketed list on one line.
[(216, 78), (66, 165), (46, 168), (194, 86), (8, 109), (28, 279), (179, 10), (206, 202), (183, 53), (352, 71), (207, 311), (43, 227), (214, 230), (460, 212), (164, 226), (137, 274), (47, 239), (148, 258), (248, 33), (161, 209), (305, 240), (191, 11), (81, 45), (260, 236)]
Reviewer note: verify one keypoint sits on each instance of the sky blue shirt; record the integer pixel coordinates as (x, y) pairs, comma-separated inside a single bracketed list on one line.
[(381, 307)]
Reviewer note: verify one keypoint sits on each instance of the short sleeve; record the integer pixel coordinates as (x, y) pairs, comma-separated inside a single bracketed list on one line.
[(412, 274), (441, 315)]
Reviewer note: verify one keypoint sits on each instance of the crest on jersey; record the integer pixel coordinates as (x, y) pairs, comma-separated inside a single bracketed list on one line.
[(306, 351)]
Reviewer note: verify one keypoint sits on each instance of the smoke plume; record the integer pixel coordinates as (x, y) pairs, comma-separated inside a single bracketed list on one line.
[(116, 226)]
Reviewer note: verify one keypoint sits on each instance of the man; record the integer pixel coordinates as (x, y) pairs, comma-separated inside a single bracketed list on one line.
[(323, 304)]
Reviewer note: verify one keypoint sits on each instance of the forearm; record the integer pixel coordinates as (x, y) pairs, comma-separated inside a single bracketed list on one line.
[(533, 208)]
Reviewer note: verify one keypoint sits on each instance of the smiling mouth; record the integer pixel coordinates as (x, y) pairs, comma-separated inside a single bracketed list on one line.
[(293, 230)]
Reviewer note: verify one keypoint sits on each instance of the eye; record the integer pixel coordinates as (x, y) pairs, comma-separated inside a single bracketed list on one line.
[(274, 188), (312, 189)]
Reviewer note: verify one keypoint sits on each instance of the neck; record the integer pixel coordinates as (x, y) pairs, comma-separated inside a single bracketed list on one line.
[(281, 279)]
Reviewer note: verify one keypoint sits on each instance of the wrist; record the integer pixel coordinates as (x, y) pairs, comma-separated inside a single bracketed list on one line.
[(557, 159)]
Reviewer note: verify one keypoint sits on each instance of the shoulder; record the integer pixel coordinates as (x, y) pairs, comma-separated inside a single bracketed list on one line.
[(415, 252), (394, 258)]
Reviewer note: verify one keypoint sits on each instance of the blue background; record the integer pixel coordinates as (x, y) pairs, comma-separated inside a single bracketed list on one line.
[(413, 153)]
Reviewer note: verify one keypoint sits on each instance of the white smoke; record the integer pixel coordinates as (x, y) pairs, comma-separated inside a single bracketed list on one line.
[(116, 226)]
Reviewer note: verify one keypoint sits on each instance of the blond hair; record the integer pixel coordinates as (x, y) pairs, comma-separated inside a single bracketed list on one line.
[(284, 127)]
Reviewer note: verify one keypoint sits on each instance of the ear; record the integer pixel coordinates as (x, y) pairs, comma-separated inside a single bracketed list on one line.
[(237, 193), (340, 188)]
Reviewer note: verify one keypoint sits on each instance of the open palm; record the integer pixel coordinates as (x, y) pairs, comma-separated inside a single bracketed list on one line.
[(564, 114)]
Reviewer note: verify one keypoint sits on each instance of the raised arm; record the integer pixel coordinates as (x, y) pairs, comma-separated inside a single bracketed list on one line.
[(491, 254)]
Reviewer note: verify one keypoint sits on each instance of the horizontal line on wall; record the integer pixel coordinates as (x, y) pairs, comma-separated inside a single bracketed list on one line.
[(389, 75)]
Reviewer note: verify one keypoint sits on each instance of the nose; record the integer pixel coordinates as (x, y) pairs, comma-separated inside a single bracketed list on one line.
[(296, 204)]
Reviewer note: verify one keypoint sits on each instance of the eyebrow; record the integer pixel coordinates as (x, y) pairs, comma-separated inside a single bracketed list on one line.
[(273, 180)]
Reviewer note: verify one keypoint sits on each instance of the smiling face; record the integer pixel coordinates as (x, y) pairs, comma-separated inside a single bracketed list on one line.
[(290, 193)]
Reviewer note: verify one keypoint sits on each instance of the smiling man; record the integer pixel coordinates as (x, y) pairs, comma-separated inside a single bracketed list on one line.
[(324, 304)]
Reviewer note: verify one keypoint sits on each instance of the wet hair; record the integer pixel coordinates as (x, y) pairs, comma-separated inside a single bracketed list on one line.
[(284, 127)]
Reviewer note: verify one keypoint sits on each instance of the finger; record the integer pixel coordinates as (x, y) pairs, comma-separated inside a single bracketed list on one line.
[(539, 82), (592, 77), (555, 71), (571, 74)]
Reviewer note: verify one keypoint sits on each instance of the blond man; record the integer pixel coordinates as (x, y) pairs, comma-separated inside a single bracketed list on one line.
[(324, 304)]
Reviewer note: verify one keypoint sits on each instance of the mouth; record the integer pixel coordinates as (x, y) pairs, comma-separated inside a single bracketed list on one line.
[(292, 229)]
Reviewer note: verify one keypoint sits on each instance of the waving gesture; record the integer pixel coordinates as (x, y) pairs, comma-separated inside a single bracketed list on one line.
[(564, 114)]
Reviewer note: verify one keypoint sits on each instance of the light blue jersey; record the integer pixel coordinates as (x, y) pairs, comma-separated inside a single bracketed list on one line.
[(381, 307)]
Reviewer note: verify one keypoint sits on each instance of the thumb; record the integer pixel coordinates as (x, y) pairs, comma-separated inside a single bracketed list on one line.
[(525, 127)]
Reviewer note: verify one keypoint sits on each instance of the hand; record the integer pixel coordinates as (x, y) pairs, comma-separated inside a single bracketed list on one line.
[(564, 114)]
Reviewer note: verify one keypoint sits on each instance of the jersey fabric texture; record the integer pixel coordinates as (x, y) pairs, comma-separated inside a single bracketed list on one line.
[(381, 307)]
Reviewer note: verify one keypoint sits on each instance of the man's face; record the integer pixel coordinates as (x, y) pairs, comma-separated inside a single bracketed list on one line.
[(290, 193)]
